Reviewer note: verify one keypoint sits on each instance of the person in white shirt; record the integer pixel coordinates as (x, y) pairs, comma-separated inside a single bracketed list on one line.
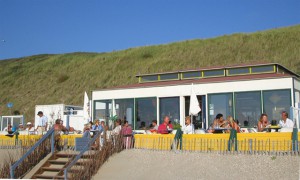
[(188, 128), (42, 123), (285, 122), (29, 127), (118, 127)]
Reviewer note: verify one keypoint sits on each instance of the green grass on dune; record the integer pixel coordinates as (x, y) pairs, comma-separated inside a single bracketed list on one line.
[(63, 78)]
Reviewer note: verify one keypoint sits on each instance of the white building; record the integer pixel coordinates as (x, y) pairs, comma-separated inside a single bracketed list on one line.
[(244, 91)]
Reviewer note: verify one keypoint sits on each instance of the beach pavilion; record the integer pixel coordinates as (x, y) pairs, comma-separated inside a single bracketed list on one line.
[(242, 91)]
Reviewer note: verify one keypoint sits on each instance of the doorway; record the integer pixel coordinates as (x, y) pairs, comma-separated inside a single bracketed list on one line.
[(199, 121)]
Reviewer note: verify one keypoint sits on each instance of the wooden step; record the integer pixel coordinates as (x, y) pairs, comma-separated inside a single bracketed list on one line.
[(53, 167), (39, 176)]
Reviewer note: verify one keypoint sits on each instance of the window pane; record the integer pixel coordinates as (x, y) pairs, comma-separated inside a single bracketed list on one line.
[(248, 108), (103, 110), (168, 76), (262, 69), (124, 109), (219, 103), (238, 71), (196, 74), (214, 73), (145, 112), (275, 102), (169, 107), (149, 78)]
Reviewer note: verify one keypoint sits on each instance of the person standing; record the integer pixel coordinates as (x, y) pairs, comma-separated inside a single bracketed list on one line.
[(126, 131), (42, 122), (285, 122)]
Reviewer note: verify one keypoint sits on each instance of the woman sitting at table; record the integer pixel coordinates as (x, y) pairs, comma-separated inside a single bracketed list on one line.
[(262, 123), (232, 124), (188, 128)]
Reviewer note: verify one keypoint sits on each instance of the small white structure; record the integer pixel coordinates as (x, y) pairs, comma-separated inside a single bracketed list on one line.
[(63, 112)]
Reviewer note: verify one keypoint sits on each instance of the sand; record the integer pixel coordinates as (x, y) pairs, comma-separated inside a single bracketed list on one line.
[(145, 164), (7, 154)]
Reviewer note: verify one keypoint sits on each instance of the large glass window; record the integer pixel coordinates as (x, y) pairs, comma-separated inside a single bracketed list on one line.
[(219, 103), (169, 107), (275, 102), (124, 109), (248, 108), (103, 110), (145, 112)]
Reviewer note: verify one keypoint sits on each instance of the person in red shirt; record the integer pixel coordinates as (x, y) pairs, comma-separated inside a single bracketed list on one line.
[(165, 127)]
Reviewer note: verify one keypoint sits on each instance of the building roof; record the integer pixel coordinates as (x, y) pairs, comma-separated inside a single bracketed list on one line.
[(280, 72), (202, 80)]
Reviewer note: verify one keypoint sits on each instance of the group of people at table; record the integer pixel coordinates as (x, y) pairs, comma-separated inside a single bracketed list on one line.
[(220, 123)]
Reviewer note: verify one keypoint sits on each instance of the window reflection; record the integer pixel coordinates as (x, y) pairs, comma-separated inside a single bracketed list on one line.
[(275, 102), (145, 112), (248, 108), (169, 107), (124, 109), (103, 110), (219, 103)]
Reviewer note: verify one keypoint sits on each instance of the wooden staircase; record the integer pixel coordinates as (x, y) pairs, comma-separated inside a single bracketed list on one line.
[(54, 167)]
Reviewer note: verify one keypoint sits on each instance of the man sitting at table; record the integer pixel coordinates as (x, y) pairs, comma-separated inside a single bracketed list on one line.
[(218, 123), (285, 122), (164, 128)]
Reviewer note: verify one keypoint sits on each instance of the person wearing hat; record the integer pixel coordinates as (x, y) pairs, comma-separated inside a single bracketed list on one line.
[(29, 127), (42, 123)]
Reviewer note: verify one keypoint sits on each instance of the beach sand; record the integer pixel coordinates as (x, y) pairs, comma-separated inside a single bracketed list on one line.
[(145, 164), (7, 154)]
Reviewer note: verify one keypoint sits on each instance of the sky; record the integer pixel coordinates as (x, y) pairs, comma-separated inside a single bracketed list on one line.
[(63, 26)]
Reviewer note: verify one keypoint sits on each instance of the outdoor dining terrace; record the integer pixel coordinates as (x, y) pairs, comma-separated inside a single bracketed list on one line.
[(242, 142)]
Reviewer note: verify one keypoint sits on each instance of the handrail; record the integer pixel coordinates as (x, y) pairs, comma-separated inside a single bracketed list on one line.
[(16, 164), (81, 153)]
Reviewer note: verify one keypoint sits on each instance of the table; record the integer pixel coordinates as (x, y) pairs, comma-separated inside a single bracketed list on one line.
[(268, 129), (220, 130)]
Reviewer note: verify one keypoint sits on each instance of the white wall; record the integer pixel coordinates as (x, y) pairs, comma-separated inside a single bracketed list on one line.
[(200, 89)]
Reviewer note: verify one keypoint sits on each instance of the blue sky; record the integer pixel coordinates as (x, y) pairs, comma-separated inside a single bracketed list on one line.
[(62, 26)]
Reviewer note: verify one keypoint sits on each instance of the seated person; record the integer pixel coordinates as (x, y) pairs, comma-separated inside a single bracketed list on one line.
[(219, 122), (143, 125), (154, 126), (8, 128), (188, 128), (232, 124), (21, 127), (97, 126), (164, 128), (29, 127), (262, 123), (118, 127), (285, 122)]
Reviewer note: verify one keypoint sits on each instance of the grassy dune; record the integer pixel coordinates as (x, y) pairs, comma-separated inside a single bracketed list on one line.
[(63, 78)]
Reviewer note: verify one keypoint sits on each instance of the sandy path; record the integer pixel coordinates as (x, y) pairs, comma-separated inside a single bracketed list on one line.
[(6, 154), (143, 164)]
